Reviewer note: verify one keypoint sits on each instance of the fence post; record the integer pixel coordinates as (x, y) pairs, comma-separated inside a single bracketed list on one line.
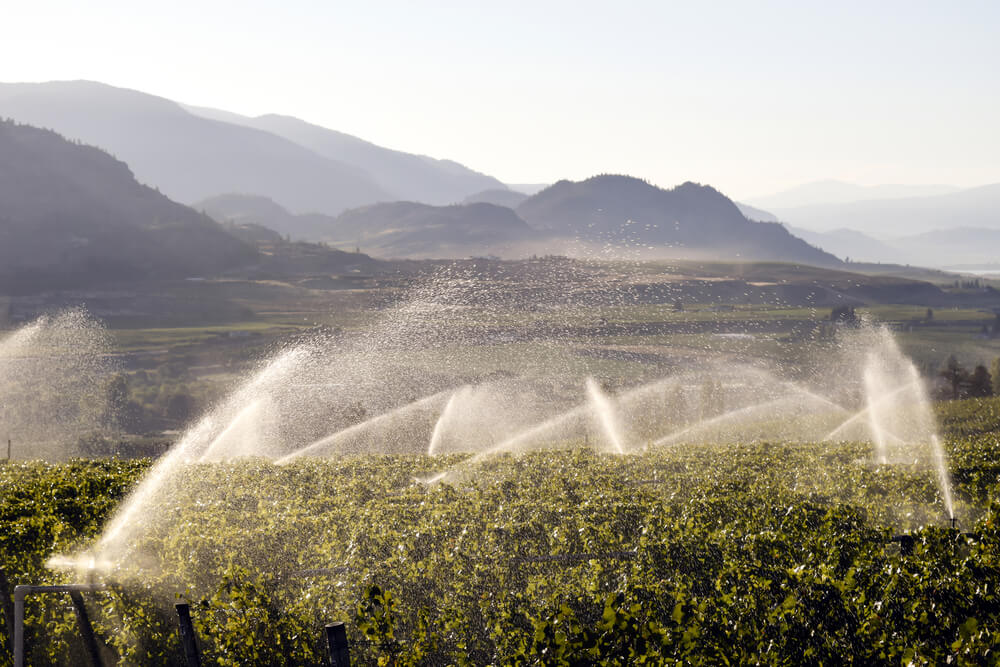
[(86, 629), (19, 593), (188, 639), (7, 608), (336, 639)]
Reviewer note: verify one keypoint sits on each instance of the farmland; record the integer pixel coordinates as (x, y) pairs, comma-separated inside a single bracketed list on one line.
[(764, 552)]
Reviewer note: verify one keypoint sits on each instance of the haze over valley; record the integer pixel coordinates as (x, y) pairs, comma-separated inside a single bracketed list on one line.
[(474, 334)]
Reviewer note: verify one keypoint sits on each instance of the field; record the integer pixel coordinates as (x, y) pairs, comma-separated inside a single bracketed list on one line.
[(759, 553), (741, 541)]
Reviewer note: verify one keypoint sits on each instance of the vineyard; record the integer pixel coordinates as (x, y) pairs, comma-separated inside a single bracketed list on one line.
[(764, 553)]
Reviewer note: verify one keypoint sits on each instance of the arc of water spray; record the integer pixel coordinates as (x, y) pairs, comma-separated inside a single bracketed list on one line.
[(343, 434), (863, 414), (944, 479), (238, 421), (439, 425), (728, 416), (514, 441), (533, 431), (606, 415)]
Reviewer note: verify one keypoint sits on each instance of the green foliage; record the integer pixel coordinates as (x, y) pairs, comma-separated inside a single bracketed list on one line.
[(762, 553)]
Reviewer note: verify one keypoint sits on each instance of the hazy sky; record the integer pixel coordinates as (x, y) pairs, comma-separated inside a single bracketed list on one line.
[(751, 97)]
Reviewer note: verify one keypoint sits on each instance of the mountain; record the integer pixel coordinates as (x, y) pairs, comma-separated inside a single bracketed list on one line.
[(186, 156), (853, 245), (258, 210), (528, 188), (72, 215), (839, 192), (756, 214), (952, 247), (407, 176), (409, 229), (888, 218), (690, 219), (396, 229), (508, 198)]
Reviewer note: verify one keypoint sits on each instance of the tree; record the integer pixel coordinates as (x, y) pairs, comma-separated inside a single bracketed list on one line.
[(180, 405), (116, 394), (954, 374), (980, 383), (995, 368)]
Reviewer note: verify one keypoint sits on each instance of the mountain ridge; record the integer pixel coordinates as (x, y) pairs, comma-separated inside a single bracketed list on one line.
[(72, 214), (408, 176), (690, 217), (188, 157)]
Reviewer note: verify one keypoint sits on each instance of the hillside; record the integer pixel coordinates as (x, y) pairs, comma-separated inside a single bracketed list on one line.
[(848, 243), (72, 215), (404, 175), (396, 229), (690, 219), (186, 156), (508, 198), (408, 229), (258, 210)]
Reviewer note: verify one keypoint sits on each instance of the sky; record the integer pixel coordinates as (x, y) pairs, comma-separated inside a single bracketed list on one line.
[(751, 97)]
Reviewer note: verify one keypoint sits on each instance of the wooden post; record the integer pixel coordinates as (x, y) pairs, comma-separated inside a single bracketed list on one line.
[(7, 607), (336, 639), (86, 629), (188, 639)]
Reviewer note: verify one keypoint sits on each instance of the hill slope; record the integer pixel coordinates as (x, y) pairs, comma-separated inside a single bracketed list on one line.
[(408, 229), (690, 219), (258, 210), (186, 156), (395, 229), (406, 176), (71, 214)]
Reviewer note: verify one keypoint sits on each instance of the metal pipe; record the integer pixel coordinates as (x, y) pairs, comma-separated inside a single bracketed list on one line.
[(188, 638), (21, 592), (7, 606), (336, 639), (86, 629)]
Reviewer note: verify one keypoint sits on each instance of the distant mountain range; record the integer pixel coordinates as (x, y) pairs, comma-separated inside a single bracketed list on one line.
[(72, 215), (602, 212), (950, 248), (960, 227), (839, 192), (403, 175), (689, 220), (508, 198), (192, 155), (890, 218), (393, 229)]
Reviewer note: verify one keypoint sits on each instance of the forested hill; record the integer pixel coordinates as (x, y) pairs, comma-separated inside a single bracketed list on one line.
[(689, 219), (72, 215)]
